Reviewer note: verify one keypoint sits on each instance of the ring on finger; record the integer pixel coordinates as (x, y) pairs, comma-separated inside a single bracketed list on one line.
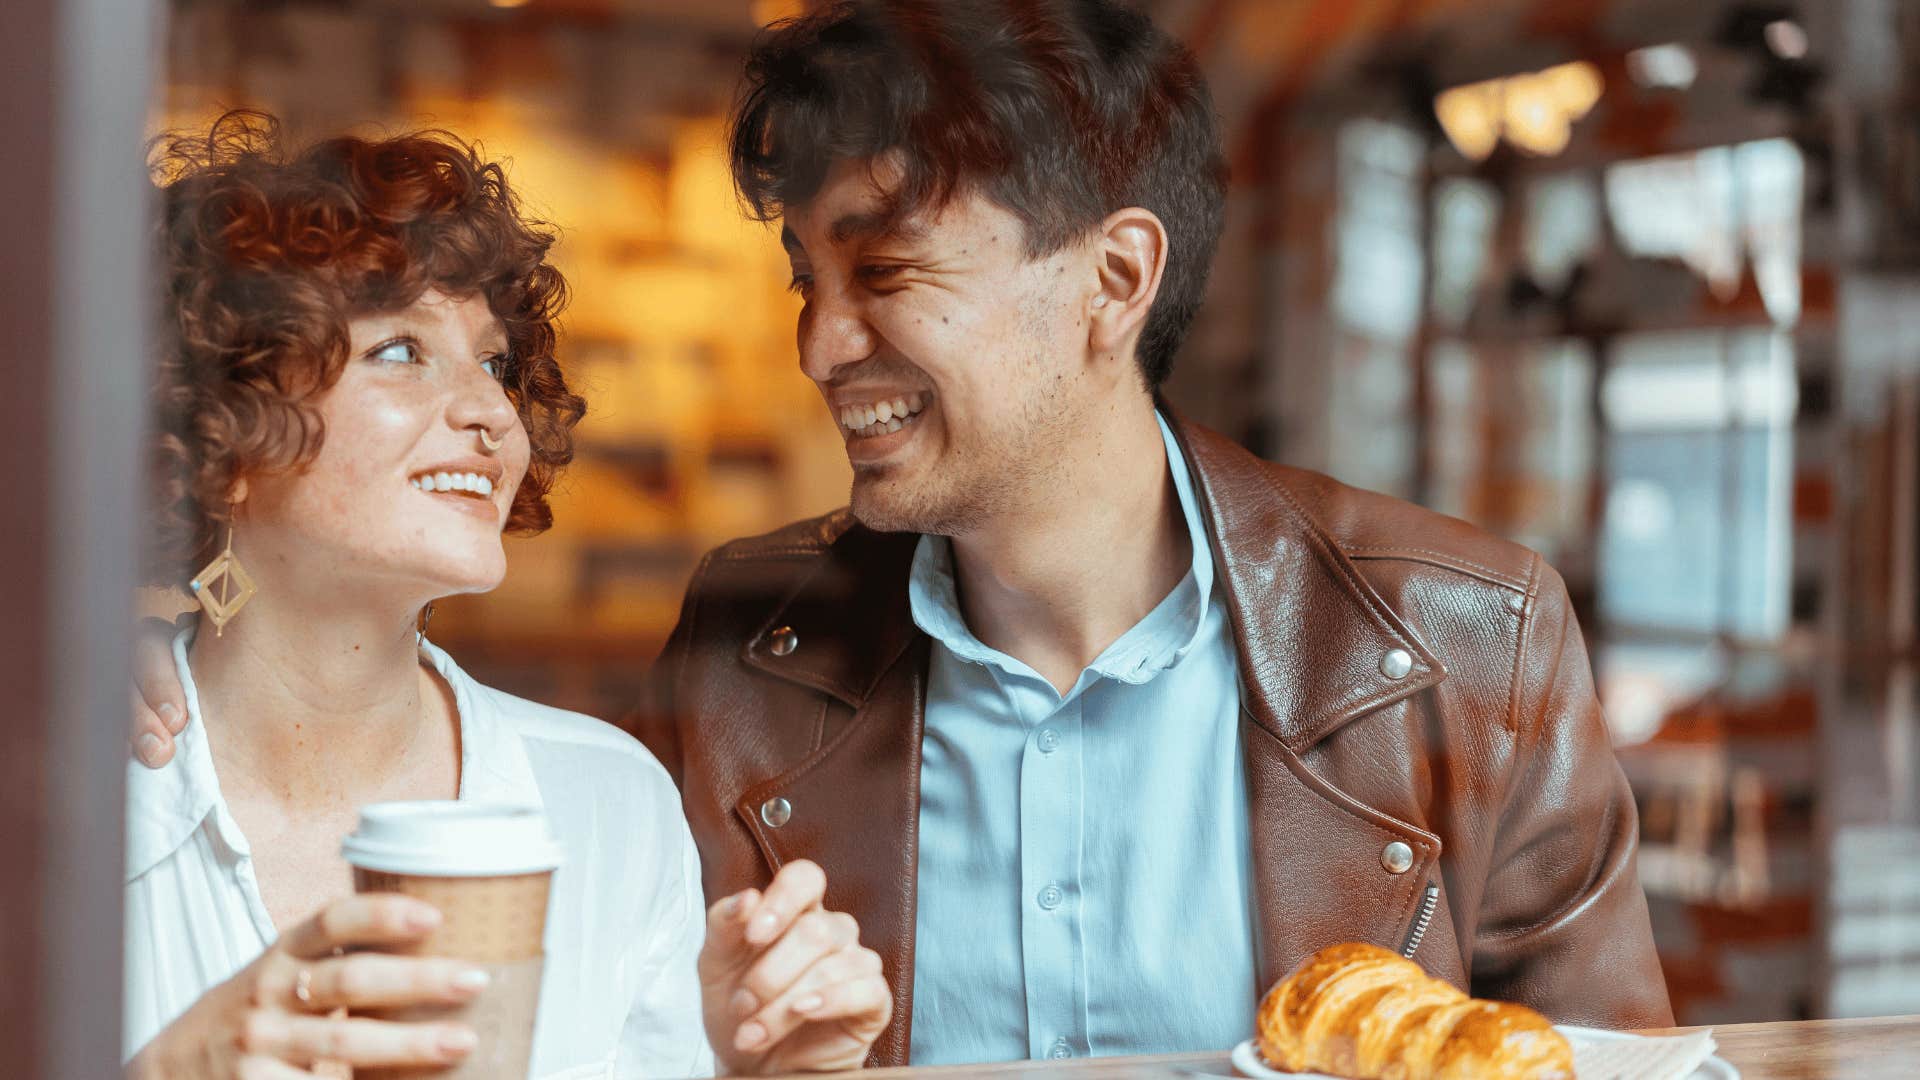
[(303, 986)]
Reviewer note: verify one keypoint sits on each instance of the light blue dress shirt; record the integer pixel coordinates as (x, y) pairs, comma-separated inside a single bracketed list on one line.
[(1086, 882)]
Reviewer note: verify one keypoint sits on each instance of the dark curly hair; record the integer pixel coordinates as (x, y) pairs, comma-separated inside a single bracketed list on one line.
[(1060, 111), (264, 256)]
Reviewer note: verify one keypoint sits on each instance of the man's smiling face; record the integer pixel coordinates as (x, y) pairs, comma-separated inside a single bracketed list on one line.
[(944, 318)]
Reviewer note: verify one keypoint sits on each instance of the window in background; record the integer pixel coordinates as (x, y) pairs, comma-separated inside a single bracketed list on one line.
[(1721, 211), (1563, 227), (1699, 463), (1378, 278), (1680, 206), (1465, 213)]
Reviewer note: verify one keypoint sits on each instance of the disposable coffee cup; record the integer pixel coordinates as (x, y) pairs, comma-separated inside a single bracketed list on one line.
[(488, 868)]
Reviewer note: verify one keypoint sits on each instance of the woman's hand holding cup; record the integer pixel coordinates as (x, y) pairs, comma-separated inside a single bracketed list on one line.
[(785, 984), (282, 1014)]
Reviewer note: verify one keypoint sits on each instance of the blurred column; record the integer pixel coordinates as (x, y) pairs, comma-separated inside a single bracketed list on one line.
[(74, 79), (1870, 826)]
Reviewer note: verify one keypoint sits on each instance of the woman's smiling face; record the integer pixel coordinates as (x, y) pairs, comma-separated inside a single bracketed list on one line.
[(418, 467)]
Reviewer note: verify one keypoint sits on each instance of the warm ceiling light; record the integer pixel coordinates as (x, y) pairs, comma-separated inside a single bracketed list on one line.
[(1470, 115), (508, 3), (1535, 111)]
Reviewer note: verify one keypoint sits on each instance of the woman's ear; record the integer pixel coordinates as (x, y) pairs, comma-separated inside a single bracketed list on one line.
[(1131, 249)]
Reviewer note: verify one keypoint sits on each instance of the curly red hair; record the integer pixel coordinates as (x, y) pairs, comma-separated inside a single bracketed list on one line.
[(265, 256)]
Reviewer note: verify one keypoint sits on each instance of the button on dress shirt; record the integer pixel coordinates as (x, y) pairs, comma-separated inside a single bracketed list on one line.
[(619, 996), (1085, 881)]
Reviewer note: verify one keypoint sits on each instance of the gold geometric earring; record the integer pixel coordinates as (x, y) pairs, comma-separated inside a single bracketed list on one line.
[(223, 586)]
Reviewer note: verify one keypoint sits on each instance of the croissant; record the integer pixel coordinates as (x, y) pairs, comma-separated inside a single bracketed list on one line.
[(1359, 1011)]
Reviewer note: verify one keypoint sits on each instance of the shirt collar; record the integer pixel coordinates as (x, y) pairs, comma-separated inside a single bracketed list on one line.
[(493, 759), (1155, 643), (166, 805)]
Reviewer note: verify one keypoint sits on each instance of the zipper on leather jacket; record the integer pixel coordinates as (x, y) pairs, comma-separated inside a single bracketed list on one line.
[(1421, 921)]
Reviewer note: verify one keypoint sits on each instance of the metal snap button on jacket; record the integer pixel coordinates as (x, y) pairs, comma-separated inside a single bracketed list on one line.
[(776, 812), (1396, 664), (785, 641), (1397, 858)]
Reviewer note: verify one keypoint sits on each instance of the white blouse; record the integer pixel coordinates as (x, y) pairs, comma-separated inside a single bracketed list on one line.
[(620, 996)]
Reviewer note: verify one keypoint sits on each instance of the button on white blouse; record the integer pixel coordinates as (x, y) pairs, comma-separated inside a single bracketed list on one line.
[(620, 996)]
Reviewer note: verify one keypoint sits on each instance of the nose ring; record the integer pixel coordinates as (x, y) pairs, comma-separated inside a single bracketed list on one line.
[(487, 440)]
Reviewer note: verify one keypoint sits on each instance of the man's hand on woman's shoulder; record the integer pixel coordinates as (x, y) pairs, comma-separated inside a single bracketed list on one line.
[(159, 701), (785, 984)]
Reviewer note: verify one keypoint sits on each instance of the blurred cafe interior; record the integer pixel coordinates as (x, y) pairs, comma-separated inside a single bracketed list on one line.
[(1633, 282)]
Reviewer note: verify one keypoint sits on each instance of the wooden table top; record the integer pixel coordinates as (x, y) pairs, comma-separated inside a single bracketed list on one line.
[(1786, 1050)]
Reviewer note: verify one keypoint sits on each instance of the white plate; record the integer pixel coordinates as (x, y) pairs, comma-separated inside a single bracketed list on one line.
[(1247, 1059)]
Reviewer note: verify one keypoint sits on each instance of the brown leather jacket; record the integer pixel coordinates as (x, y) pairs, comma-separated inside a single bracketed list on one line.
[(789, 704)]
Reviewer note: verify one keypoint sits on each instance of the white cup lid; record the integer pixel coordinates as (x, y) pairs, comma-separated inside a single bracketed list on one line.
[(443, 838)]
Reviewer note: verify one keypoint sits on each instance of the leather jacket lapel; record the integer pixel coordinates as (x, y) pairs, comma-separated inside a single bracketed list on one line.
[(849, 619), (1314, 642), (853, 804), (1313, 638)]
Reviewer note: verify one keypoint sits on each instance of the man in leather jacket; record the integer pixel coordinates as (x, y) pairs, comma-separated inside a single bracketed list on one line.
[(1097, 723)]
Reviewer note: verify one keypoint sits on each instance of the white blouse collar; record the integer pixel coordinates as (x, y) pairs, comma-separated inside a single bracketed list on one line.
[(166, 805), (493, 761)]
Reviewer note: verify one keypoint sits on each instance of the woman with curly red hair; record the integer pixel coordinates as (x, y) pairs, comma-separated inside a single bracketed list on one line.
[(357, 397)]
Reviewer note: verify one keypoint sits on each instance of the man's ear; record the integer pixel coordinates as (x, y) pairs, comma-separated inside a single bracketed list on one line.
[(1131, 249)]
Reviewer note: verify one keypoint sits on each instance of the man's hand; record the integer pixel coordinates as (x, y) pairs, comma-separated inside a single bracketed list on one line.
[(785, 984), (159, 701)]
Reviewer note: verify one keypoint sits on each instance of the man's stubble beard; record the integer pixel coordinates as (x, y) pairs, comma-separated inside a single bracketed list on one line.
[(950, 504), (969, 485)]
